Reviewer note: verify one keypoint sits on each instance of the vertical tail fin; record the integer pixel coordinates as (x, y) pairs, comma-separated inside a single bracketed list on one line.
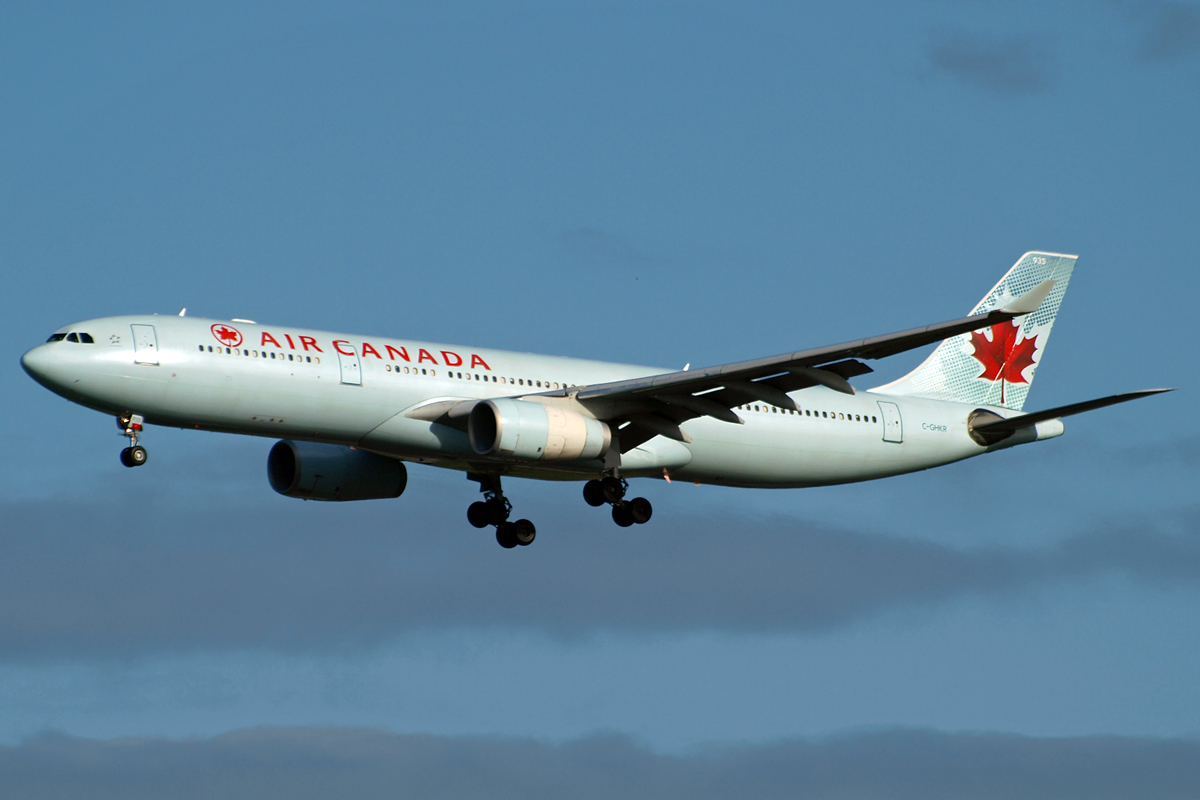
[(995, 366)]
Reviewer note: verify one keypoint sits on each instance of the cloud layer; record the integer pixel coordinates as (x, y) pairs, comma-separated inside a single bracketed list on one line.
[(1172, 31), (100, 580), (339, 762), (1008, 66)]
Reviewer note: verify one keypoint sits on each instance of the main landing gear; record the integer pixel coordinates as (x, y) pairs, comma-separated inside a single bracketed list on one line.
[(495, 509), (131, 426), (612, 490)]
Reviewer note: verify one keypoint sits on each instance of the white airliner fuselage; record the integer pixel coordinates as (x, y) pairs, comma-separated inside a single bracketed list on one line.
[(352, 408), (315, 391)]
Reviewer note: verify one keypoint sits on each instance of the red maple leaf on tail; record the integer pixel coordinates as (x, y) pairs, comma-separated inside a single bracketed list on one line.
[(1003, 357)]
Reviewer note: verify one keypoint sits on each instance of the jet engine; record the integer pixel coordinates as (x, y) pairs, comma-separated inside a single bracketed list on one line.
[(314, 471), (523, 429)]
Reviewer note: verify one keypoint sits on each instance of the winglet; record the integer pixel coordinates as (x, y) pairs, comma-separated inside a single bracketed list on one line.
[(1031, 300)]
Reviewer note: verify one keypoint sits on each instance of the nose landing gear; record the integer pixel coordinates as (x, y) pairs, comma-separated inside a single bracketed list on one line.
[(495, 509), (131, 426), (611, 490)]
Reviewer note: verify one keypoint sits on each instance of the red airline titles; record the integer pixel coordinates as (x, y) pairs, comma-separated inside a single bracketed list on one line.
[(343, 346)]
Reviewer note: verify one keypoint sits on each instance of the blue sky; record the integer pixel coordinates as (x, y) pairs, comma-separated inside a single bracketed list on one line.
[(657, 183)]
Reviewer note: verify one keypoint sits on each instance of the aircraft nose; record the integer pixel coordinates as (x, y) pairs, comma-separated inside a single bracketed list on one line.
[(38, 363)]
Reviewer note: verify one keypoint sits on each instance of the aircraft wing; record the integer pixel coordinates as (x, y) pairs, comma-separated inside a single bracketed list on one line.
[(657, 404)]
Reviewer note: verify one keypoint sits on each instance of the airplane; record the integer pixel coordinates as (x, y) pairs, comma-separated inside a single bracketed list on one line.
[(350, 411)]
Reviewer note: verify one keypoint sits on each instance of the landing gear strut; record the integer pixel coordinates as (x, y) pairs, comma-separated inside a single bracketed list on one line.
[(131, 426), (611, 489), (495, 509)]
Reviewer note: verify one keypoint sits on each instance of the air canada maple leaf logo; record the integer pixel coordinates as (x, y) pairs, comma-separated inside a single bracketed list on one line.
[(1003, 357), (226, 335)]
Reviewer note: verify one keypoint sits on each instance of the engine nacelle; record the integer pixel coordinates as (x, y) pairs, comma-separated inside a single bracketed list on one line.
[(523, 429), (314, 471)]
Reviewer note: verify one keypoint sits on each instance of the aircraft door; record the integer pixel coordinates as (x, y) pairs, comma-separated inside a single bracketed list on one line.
[(145, 344), (893, 428), (351, 370)]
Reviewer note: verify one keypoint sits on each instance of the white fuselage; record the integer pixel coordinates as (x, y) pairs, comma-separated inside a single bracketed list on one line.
[(280, 382)]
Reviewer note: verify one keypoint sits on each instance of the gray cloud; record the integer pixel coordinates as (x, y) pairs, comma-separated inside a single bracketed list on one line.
[(104, 580), (1008, 66), (1183, 451), (1170, 30), (339, 762)]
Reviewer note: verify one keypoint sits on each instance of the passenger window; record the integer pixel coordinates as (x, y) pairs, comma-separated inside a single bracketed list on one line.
[(57, 337), (72, 337), (872, 419), (86, 338), (201, 348), (825, 415)]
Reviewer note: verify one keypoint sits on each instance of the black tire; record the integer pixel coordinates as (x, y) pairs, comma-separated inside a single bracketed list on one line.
[(478, 515), (593, 493), (640, 510), (614, 490), (505, 536), (621, 516), (125, 457), (497, 511), (524, 532), (137, 456)]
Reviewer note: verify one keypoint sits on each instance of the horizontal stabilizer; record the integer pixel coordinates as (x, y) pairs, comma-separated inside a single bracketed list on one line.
[(1012, 424)]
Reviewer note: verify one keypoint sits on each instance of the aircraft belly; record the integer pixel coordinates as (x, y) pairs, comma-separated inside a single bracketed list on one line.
[(403, 437), (780, 453), (238, 398)]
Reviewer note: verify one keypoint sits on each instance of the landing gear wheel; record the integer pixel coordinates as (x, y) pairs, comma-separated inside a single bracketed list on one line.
[(479, 515), (523, 532), (133, 456), (622, 515), (497, 511), (593, 493), (506, 535), (640, 510), (614, 490)]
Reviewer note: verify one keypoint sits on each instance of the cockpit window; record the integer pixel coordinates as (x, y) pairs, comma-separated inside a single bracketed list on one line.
[(72, 337), (86, 338), (57, 337)]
